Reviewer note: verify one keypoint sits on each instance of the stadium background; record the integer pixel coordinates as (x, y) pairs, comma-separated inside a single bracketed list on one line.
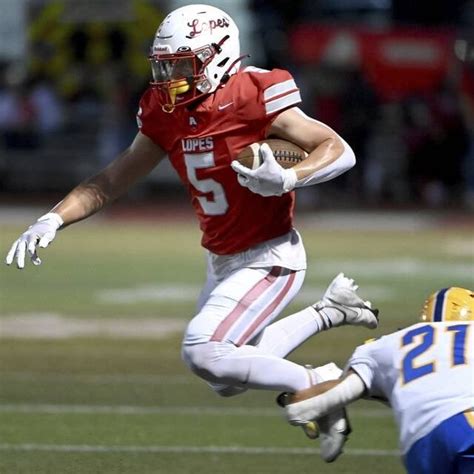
[(90, 371)]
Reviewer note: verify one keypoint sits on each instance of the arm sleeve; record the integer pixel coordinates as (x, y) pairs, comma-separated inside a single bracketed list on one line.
[(367, 362), (364, 365), (348, 390), (343, 163)]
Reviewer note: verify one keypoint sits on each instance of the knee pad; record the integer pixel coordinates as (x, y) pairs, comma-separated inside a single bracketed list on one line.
[(203, 359), (190, 356)]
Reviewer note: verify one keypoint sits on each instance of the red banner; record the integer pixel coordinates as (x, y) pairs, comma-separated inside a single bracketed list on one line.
[(397, 61)]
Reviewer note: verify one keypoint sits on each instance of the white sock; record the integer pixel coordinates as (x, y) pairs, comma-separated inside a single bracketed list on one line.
[(330, 317), (265, 371), (285, 335)]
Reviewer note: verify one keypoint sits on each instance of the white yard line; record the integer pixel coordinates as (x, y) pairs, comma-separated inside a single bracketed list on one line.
[(166, 410), (188, 294), (257, 450), (100, 379), (150, 292), (55, 326), (384, 268)]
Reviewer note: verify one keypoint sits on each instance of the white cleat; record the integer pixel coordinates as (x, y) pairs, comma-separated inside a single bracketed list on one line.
[(342, 305), (332, 429), (335, 427)]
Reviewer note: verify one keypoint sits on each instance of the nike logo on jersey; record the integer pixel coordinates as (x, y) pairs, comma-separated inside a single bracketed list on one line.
[(224, 106)]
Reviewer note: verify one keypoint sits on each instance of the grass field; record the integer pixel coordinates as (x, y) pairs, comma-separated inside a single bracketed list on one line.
[(91, 376)]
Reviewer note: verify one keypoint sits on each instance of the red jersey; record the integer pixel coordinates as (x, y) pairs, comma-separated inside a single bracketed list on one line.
[(201, 142)]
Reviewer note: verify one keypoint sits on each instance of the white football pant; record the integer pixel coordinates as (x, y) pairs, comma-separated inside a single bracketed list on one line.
[(233, 343)]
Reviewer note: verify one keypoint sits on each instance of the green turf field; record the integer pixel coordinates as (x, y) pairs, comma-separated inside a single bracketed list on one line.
[(92, 400)]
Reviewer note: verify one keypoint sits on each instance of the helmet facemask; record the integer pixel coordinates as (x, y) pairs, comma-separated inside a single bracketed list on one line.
[(180, 76)]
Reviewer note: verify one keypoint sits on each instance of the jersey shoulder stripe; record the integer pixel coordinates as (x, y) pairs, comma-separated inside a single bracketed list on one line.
[(279, 88), (283, 102)]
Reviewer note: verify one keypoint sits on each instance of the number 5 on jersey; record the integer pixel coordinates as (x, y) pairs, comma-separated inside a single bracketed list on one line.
[(218, 204)]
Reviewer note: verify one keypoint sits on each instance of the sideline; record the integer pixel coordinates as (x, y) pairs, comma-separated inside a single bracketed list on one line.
[(415, 219)]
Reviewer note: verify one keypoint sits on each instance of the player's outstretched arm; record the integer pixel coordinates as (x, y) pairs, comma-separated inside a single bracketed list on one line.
[(322, 399), (88, 198)]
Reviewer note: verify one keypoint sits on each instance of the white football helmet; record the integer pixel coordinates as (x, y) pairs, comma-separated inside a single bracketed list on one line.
[(196, 48)]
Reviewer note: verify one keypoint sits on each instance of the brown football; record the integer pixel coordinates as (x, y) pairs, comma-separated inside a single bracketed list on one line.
[(287, 154)]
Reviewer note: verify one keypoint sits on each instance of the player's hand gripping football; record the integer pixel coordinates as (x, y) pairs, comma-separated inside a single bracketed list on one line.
[(269, 179), (41, 234)]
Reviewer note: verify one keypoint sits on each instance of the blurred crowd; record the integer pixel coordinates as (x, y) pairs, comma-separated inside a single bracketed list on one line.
[(415, 151), (82, 130)]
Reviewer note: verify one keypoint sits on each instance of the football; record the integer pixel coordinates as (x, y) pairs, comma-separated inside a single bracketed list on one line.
[(287, 154)]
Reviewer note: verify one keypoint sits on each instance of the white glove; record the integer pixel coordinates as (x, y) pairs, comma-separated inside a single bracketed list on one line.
[(269, 179), (41, 233)]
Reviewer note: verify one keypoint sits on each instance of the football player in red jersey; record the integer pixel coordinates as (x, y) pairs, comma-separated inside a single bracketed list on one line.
[(200, 111)]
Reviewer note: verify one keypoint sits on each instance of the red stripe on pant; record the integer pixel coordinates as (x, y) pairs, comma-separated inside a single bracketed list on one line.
[(244, 303), (248, 334)]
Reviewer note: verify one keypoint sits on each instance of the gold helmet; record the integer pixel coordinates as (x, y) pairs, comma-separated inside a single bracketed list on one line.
[(449, 304)]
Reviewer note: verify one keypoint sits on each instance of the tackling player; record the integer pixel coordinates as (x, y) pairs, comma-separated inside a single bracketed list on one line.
[(426, 374), (200, 111)]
